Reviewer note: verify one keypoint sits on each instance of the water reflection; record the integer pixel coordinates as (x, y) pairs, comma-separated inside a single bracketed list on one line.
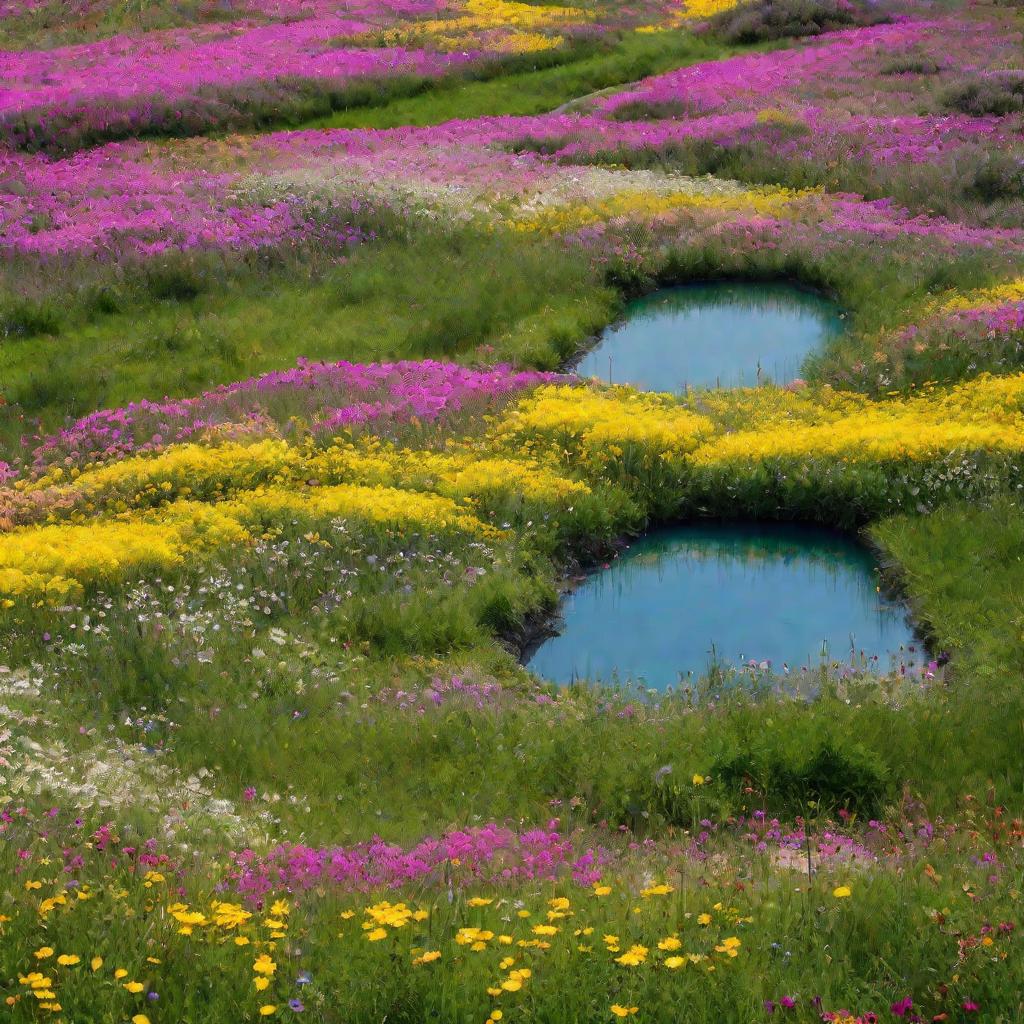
[(722, 334), (782, 595)]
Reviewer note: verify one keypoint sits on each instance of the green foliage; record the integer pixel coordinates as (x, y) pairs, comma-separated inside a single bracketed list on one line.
[(832, 778), (984, 95), (964, 567), (790, 19), (27, 319)]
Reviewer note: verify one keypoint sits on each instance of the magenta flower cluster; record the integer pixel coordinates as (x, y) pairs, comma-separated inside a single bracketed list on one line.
[(491, 853), (788, 97), (116, 200), (127, 83)]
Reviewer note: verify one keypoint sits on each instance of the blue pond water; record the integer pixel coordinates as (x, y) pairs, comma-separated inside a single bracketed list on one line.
[(720, 334), (776, 593)]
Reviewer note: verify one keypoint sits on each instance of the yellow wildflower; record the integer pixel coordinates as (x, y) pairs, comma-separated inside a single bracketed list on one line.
[(656, 890), (264, 964), (633, 957)]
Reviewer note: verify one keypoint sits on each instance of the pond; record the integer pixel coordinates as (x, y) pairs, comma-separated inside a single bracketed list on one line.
[(678, 598), (720, 334)]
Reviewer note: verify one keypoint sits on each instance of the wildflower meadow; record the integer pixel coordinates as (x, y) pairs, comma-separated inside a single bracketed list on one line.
[(299, 472)]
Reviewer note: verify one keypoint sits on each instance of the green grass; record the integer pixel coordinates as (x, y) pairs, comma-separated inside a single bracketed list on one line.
[(533, 90), (859, 745), (196, 324), (964, 568)]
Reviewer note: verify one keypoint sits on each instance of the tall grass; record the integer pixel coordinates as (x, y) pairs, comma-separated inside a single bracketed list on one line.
[(189, 323)]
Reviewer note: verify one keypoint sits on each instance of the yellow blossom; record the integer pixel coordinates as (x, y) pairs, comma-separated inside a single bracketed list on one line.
[(633, 957), (656, 890), (264, 964)]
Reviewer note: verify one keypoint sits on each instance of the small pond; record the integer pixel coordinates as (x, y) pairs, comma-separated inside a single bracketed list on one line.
[(777, 593), (714, 335)]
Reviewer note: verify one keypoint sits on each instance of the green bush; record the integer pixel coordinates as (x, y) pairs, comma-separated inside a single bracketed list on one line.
[(790, 19)]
